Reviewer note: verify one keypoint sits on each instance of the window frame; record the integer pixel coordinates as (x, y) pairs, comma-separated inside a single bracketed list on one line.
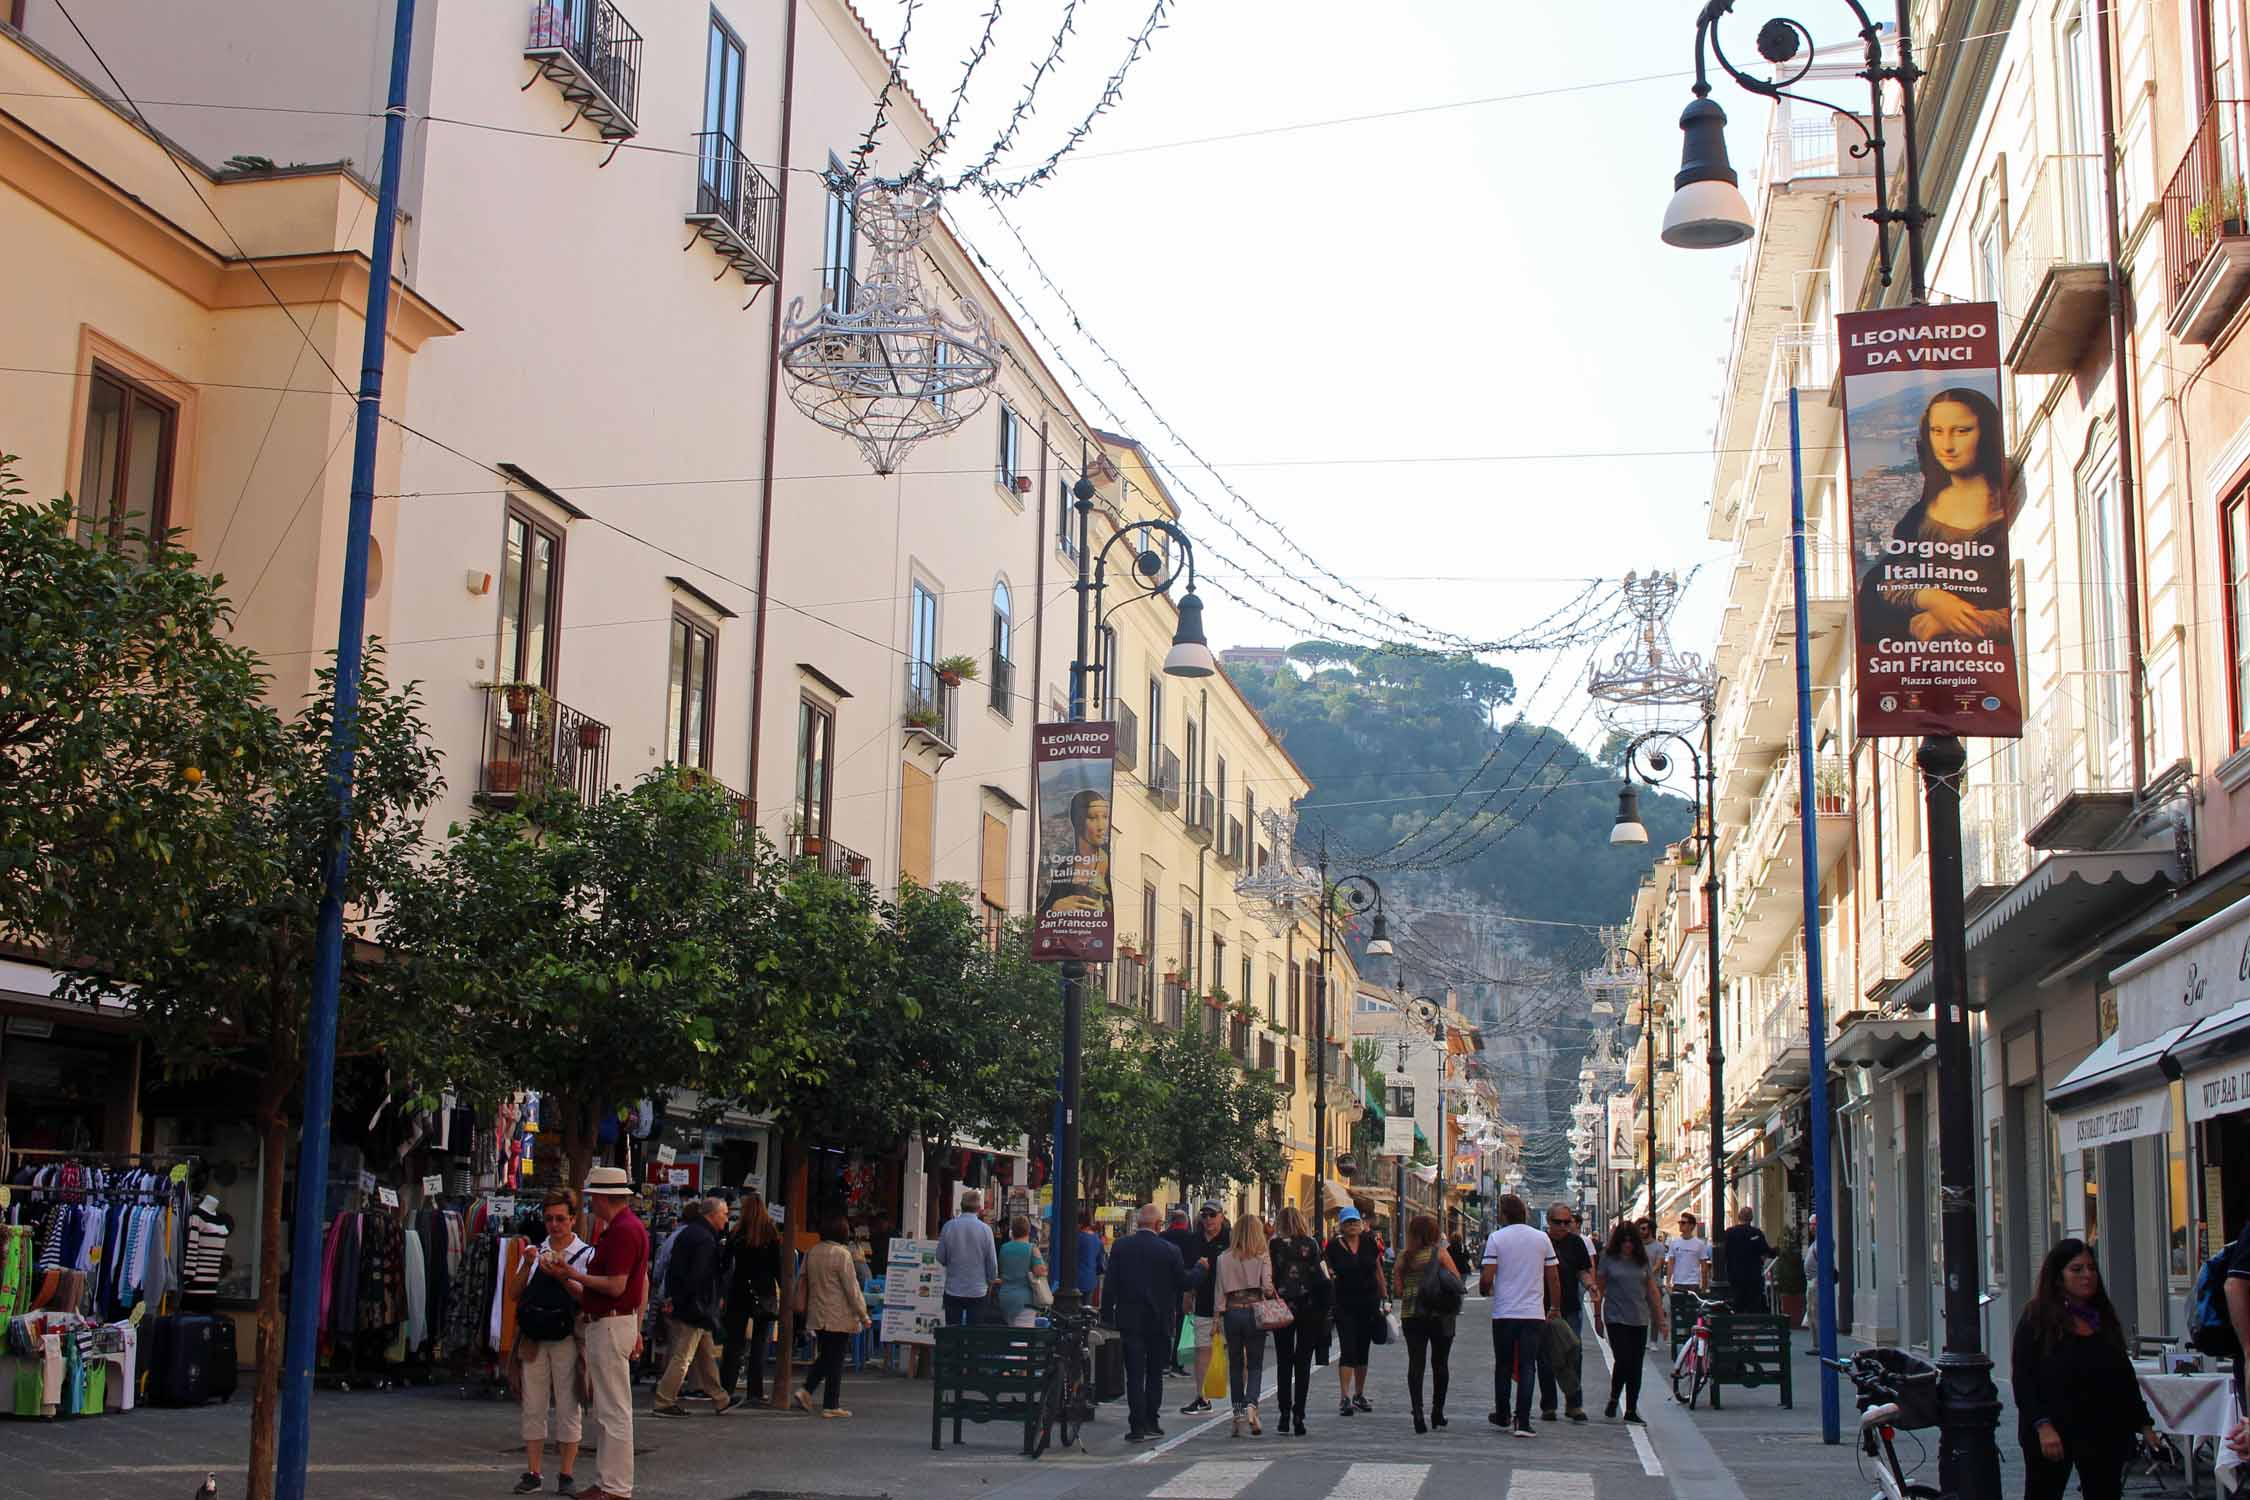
[(839, 242), (536, 526), (1003, 647), (2234, 575), (816, 712), (1009, 459), (695, 627), (107, 527), (723, 43)]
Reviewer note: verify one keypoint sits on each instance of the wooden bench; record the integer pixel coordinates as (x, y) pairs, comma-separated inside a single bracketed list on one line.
[(989, 1375), (1750, 1349)]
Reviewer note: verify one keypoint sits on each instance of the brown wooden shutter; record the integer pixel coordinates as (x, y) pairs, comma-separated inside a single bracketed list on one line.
[(994, 875), (917, 820)]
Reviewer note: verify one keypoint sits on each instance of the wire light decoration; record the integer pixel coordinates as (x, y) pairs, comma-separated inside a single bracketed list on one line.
[(1650, 673), (890, 366), (1278, 892)]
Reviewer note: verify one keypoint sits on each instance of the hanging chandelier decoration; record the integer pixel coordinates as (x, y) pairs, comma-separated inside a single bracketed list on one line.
[(1650, 673), (1279, 890), (883, 361)]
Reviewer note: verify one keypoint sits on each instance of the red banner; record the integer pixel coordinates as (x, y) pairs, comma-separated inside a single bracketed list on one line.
[(1075, 916), (1932, 498)]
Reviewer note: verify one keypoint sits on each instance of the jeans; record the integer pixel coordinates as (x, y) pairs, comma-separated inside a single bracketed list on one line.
[(2101, 1471), (1430, 1339), (744, 1352), (1246, 1355), (828, 1366), (960, 1312), (1559, 1365), (1516, 1341), (1146, 1358), (1293, 1356), (1628, 1347)]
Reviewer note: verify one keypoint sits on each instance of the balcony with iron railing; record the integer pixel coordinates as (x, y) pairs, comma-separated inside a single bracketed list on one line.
[(1164, 784), (1128, 734), (2077, 757), (1175, 1002), (829, 856), (1993, 853), (2206, 236), (929, 713), (737, 209), (593, 55), (1201, 815), (534, 745), (1134, 984), (2055, 282)]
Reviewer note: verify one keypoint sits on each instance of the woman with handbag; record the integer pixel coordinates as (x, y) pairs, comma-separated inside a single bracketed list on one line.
[(1301, 1278), (1022, 1275), (1430, 1294), (1249, 1308), (753, 1302), (834, 1310)]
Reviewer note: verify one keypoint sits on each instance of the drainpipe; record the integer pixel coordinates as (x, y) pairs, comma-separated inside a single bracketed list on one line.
[(773, 409), (1038, 659), (2120, 367), (1203, 851)]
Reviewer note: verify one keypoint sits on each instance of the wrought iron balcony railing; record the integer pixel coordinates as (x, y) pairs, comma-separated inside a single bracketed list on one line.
[(590, 52), (1128, 735), (534, 745), (736, 208), (832, 858), (2055, 284), (2206, 235), (930, 709)]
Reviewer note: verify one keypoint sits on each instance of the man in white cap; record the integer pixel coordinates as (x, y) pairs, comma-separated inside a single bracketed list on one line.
[(613, 1285)]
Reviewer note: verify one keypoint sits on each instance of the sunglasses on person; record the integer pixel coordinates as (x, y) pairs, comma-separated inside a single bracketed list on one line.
[(1561, 1219), (559, 1216)]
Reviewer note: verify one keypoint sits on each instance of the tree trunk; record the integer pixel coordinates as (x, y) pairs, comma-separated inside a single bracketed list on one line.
[(581, 1130), (785, 1360), (265, 1398)]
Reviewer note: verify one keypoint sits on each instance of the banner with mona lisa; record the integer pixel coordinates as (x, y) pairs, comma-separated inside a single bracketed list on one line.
[(1932, 498), (1075, 917)]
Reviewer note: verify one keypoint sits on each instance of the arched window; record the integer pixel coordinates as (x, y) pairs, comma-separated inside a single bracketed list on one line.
[(1003, 652)]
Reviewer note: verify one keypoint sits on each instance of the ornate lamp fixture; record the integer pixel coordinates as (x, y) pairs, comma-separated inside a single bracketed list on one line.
[(883, 361), (1281, 890)]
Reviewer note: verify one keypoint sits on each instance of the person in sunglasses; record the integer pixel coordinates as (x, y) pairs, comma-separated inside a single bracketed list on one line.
[(547, 1346)]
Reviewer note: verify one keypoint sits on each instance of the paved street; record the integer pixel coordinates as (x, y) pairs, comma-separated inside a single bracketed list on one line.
[(435, 1442)]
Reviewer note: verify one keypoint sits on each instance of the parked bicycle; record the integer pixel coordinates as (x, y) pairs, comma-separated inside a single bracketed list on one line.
[(1691, 1369), (1069, 1400), (1897, 1393)]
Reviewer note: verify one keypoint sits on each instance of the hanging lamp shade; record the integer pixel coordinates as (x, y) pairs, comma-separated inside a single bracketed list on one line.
[(1707, 211), (1628, 828)]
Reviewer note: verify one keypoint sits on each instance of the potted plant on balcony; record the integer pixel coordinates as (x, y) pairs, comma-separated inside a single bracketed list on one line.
[(503, 778), (2221, 213), (517, 695), (923, 716), (589, 735), (955, 670), (1829, 787)]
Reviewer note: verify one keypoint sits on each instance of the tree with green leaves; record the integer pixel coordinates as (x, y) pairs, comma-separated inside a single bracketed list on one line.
[(221, 987), (123, 706), (1219, 1122)]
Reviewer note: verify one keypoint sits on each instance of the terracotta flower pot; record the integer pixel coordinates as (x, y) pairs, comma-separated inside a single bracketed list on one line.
[(589, 736), (503, 775), (519, 701)]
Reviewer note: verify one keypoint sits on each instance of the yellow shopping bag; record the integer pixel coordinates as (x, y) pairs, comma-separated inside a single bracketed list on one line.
[(1215, 1378)]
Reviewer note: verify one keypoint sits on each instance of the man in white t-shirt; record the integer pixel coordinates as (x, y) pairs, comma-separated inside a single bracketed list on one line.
[(1687, 1260), (1521, 1276)]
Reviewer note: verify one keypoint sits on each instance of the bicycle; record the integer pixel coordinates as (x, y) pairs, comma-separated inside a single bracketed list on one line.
[(1691, 1371), (1068, 1402), (1896, 1391)]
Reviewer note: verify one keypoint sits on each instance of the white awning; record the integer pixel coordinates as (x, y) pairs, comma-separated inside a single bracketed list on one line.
[(2195, 975), (2115, 1093), (2212, 1063)]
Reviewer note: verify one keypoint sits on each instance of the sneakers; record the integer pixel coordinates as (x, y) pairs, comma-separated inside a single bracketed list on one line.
[(530, 1484), (1634, 1418), (1199, 1404), (662, 1410), (1359, 1403), (1344, 1407), (1496, 1419), (1576, 1414), (566, 1486), (1524, 1430)]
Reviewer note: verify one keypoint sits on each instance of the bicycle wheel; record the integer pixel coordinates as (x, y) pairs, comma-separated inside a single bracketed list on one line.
[(1050, 1409), (1683, 1380), (1920, 1492), (1077, 1394)]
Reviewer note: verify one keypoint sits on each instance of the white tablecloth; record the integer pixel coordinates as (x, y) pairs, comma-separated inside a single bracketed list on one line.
[(2190, 1406)]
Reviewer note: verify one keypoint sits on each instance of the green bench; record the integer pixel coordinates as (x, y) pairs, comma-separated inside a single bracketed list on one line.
[(989, 1375), (1750, 1350)]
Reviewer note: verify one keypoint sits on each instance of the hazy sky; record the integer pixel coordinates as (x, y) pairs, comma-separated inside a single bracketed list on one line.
[(1385, 334)]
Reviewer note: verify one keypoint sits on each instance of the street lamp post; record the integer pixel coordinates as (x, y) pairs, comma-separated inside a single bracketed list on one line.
[(1648, 1051), (1359, 893), (1154, 572), (1707, 210), (1647, 756)]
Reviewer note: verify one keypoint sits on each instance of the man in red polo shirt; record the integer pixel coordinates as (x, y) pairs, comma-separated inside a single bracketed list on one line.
[(611, 1289)]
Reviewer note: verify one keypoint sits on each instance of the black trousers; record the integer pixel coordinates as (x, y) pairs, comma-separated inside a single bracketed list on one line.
[(1518, 1347), (1146, 1359), (2101, 1472), (743, 1347), (828, 1365), (1355, 1330), (1628, 1347), (1431, 1340), (1293, 1349)]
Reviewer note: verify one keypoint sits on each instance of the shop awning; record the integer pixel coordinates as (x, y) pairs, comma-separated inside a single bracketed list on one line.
[(2116, 1093), (2212, 1060), (1638, 1207), (1339, 1195), (2046, 915), (1879, 1041)]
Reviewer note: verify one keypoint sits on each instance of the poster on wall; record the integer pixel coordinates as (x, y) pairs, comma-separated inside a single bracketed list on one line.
[(1931, 499), (1075, 917), (913, 1293), (1398, 1135)]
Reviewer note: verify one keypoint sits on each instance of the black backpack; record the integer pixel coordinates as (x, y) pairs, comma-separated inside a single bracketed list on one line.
[(546, 1311), (2210, 1329)]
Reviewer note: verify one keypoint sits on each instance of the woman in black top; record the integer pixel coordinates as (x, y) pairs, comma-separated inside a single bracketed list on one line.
[(753, 1285), (1300, 1278), (2078, 1403), (1355, 1264)]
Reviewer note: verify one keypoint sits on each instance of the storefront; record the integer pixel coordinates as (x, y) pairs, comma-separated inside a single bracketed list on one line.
[(69, 1074)]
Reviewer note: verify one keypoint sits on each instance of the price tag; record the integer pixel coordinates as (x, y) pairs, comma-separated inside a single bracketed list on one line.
[(677, 1177), (434, 1184), (367, 1182), (665, 1156), (388, 1197)]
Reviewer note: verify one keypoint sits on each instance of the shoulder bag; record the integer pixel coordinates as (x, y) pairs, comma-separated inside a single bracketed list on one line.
[(1442, 1291), (1273, 1313)]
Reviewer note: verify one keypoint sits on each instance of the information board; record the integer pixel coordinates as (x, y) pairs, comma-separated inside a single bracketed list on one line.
[(913, 1293)]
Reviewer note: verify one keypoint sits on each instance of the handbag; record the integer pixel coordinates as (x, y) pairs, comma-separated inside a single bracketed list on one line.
[(1273, 1313), (1042, 1295), (1442, 1292), (1384, 1329)]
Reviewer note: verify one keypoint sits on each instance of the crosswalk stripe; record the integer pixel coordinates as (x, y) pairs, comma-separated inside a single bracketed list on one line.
[(1209, 1481), (1380, 1482), (1551, 1484)]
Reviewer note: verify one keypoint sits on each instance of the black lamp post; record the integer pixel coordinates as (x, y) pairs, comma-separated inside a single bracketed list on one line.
[(1969, 1403), (1153, 573), (1358, 893), (1646, 755)]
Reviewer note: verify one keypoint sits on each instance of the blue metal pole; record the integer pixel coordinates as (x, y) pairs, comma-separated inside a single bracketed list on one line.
[(1816, 1010), (295, 1446)]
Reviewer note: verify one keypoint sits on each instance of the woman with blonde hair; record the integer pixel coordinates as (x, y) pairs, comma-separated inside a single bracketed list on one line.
[(1245, 1279), (753, 1296)]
